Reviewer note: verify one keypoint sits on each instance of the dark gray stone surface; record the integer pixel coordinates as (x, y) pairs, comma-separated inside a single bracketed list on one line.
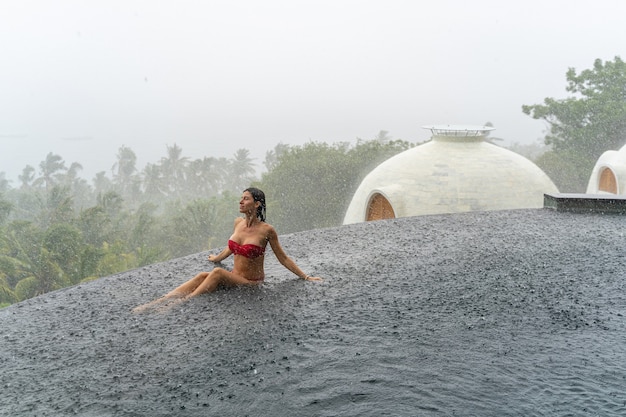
[(478, 314)]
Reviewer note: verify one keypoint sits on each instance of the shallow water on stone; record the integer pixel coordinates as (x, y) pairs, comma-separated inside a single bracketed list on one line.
[(481, 314)]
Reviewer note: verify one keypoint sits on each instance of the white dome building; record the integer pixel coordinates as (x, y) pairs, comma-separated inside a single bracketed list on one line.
[(457, 171), (609, 174)]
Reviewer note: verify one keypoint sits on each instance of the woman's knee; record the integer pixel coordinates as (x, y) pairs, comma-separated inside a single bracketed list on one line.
[(217, 273)]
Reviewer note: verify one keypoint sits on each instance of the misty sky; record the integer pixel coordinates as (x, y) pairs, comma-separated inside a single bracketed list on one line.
[(82, 78)]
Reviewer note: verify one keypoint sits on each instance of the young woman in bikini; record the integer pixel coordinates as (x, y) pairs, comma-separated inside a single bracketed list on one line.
[(247, 243)]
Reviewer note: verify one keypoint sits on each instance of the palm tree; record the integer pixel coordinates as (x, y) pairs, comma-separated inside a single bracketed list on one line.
[(72, 173), (50, 170), (102, 184), (27, 177), (123, 173), (196, 180), (220, 169), (79, 188), (205, 177), (174, 169), (58, 207), (7, 295), (31, 262), (241, 170), (153, 183), (5, 209), (272, 156)]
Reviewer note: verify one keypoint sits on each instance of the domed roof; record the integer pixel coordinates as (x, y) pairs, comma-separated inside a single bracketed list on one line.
[(457, 171), (609, 173)]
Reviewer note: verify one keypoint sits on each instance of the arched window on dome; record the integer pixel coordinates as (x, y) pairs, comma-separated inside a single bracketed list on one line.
[(607, 181), (379, 208)]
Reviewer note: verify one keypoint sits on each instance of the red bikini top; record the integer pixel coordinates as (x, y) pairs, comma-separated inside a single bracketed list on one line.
[(249, 250)]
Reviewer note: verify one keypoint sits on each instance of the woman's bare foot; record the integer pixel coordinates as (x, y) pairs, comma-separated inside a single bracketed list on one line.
[(159, 304), (170, 303)]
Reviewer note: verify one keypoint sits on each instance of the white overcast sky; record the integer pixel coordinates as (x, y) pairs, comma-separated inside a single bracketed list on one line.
[(82, 78)]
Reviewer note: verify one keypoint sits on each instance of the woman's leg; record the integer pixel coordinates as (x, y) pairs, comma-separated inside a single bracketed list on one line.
[(189, 286), (219, 276), (179, 292), (202, 283)]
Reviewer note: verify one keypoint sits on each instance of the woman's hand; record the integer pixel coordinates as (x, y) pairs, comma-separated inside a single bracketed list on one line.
[(308, 278), (213, 258)]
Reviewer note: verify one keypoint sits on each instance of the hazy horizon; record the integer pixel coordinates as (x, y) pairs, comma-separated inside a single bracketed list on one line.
[(83, 79)]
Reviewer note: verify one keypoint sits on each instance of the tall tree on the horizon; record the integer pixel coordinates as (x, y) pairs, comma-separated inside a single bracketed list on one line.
[(154, 186), (50, 169), (27, 177), (124, 174), (173, 170), (583, 126), (273, 155), (241, 170)]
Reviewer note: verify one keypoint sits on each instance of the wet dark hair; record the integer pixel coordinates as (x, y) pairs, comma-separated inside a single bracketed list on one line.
[(259, 196)]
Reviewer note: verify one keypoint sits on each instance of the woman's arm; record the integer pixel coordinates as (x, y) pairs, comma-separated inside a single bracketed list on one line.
[(285, 260), (221, 256)]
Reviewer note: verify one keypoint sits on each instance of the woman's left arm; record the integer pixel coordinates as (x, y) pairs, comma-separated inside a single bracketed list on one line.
[(221, 256), (285, 260)]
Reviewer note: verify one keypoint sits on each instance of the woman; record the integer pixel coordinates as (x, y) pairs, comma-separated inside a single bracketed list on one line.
[(248, 241)]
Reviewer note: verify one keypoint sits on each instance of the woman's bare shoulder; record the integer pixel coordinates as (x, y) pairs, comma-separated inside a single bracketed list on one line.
[(269, 230)]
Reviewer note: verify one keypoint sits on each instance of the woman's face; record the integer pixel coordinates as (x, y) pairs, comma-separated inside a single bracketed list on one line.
[(247, 203)]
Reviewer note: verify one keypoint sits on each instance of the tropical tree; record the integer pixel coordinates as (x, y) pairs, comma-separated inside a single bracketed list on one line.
[(273, 155), (112, 206), (311, 186), (81, 191), (155, 188), (102, 184), (5, 209), (7, 295), (95, 225), (584, 125), (383, 137), (30, 262), (72, 173), (205, 177), (200, 224), (145, 237), (63, 243), (27, 177), (50, 169), (241, 171), (57, 206), (173, 170), (115, 258), (124, 174)]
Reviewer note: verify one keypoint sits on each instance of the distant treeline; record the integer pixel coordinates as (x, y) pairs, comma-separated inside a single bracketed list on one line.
[(57, 229)]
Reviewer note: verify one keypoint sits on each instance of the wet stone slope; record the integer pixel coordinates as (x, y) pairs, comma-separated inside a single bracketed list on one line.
[(478, 314)]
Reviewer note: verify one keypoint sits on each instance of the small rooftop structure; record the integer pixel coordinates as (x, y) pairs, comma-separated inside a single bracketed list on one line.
[(456, 171), (586, 203), (459, 131), (609, 174)]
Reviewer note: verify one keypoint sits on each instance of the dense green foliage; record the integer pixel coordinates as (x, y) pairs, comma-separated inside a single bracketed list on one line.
[(311, 186), (583, 126), (56, 229)]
